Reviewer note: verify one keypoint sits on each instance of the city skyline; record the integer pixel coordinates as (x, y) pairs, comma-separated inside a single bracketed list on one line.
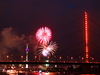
[(64, 18)]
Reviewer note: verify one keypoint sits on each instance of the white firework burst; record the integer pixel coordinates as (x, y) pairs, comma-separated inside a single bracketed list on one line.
[(49, 49)]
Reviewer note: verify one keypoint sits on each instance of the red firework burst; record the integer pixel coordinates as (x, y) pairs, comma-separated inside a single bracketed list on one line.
[(43, 35)]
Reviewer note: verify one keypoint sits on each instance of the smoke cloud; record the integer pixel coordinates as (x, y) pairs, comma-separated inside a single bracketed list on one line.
[(33, 42), (14, 45), (9, 40)]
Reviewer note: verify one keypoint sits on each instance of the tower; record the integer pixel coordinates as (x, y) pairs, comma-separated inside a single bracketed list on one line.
[(86, 37), (27, 54)]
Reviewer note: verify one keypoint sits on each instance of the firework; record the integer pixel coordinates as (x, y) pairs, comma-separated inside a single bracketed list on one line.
[(49, 49), (45, 53), (43, 50), (43, 35)]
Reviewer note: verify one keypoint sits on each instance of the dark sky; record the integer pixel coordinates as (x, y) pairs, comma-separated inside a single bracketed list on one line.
[(64, 17)]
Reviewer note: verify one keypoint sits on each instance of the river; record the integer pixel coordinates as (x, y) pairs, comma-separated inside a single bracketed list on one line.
[(52, 74)]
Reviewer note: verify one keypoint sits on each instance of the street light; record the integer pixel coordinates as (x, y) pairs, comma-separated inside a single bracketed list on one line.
[(35, 57), (7, 57), (71, 59), (22, 57), (92, 59), (48, 57), (60, 58), (82, 59)]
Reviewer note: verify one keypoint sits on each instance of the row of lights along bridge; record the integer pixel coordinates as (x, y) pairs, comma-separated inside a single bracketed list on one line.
[(53, 58)]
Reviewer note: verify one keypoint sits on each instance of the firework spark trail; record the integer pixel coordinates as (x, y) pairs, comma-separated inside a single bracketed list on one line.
[(43, 35), (49, 49)]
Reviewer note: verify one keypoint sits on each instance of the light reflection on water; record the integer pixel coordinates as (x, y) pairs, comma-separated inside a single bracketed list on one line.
[(13, 74), (87, 74), (53, 74)]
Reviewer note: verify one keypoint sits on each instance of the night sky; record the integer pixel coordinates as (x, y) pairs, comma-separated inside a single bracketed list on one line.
[(64, 17)]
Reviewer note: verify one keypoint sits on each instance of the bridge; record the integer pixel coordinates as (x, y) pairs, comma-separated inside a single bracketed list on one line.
[(50, 62)]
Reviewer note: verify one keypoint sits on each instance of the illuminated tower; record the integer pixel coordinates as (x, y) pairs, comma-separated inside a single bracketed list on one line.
[(27, 54), (86, 38)]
